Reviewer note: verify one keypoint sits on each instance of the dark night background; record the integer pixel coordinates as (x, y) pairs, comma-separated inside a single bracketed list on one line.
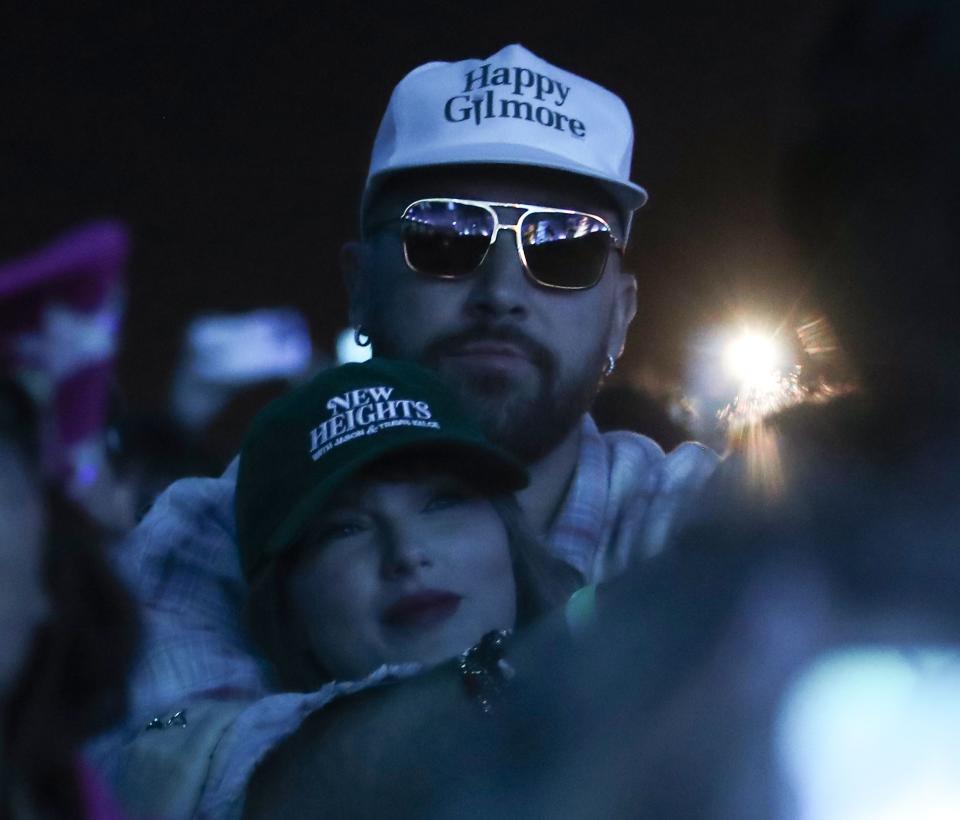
[(233, 138)]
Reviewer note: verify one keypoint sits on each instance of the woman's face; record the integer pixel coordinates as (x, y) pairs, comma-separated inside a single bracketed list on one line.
[(402, 570), (23, 602)]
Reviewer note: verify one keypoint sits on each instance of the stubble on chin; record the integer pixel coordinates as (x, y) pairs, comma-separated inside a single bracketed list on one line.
[(500, 402), (528, 417)]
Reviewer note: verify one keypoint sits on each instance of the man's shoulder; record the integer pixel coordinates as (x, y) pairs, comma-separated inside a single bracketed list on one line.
[(633, 453), (690, 460), (644, 492), (189, 528), (192, 501)]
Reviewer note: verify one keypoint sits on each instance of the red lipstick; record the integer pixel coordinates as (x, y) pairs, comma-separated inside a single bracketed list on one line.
[(424, 608)]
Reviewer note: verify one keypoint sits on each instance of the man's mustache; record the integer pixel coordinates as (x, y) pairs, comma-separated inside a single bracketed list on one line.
[(453, 343)]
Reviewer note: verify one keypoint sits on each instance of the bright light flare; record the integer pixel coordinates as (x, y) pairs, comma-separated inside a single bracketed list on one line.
[(756, 363), (736, 378), (753, 359)]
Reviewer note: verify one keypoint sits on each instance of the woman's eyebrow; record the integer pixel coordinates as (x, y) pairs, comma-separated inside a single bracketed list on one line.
[(349, 496)]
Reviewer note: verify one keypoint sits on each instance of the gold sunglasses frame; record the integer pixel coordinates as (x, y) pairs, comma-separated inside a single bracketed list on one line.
[(490, 207)]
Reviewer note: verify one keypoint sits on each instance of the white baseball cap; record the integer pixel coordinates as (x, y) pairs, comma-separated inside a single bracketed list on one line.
[(512, 108)]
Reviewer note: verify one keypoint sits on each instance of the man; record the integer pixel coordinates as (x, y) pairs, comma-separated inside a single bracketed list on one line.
[(524, 307), (733, 675)]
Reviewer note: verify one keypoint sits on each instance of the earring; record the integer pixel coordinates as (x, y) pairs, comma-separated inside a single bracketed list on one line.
[(360, 336), (608, 368)]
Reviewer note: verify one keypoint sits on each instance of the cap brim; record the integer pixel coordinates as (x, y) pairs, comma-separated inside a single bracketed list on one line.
[(628, 195), (483, 464)]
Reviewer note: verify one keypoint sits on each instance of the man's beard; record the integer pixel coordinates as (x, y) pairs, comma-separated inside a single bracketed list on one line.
[(530, 417)]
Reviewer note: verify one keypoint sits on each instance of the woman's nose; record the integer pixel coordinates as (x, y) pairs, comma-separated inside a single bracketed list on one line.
[(403, 555)]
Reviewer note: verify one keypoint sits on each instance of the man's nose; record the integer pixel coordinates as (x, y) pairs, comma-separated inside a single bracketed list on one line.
[(500, 288)]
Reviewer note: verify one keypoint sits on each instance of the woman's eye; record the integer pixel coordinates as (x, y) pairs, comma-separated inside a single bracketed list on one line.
[(338, 530), (442, 501)]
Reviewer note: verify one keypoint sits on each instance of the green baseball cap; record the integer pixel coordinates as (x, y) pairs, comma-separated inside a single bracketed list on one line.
[(306, 444)]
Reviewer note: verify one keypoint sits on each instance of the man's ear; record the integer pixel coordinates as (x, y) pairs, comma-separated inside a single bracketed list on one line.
[(624, 309), (355, 267)]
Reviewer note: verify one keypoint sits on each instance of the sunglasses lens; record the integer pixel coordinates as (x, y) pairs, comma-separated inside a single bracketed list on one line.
[(445, 238), (565, 250)]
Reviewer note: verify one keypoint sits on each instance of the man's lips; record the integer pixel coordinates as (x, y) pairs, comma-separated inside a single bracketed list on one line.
[(421, 609), (490, 348), (506, 348), (489, 351)]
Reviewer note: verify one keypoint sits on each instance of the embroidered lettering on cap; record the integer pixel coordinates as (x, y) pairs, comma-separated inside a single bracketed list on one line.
[(366, 411), (479, 100), (519, 79)]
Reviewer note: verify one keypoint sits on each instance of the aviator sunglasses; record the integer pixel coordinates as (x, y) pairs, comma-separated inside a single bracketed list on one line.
[(450, 238)]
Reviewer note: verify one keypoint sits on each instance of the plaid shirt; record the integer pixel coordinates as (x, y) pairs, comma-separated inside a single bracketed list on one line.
[(182, 564)]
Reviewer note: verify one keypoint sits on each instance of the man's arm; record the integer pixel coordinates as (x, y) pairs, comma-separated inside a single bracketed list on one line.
[(388, 750), (407, 749)]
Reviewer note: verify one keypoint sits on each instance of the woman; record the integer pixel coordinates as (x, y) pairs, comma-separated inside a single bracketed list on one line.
[(67, 634), (376, 524)]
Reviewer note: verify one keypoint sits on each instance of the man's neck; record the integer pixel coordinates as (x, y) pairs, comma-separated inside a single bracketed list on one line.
[(549, 479)]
